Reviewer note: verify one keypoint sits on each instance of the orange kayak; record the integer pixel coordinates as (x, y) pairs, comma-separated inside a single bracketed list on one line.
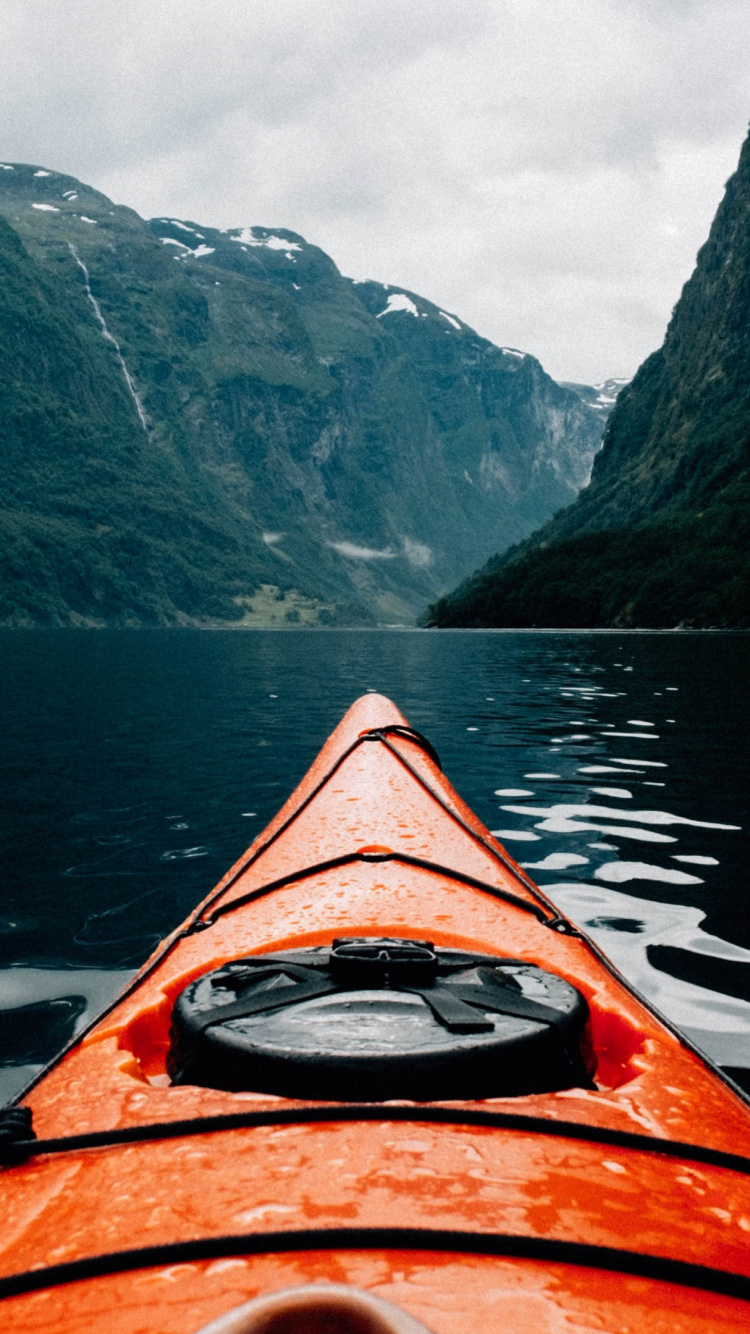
[(376, 1083)]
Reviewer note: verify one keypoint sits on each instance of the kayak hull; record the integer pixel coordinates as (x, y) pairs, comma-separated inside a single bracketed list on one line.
[(448, 1293), (622, 1205)]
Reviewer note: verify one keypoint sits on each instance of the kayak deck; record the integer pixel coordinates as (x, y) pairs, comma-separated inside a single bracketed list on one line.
[(626, 1201)]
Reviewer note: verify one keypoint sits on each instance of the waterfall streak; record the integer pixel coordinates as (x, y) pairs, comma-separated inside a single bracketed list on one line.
[(110, 338)]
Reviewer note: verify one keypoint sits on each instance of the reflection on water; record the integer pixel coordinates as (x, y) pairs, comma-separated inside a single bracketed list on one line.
[(137, 766), (636, 932), (40, 1009)]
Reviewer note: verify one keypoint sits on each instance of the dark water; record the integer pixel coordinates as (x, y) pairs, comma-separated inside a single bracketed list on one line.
[(136, 766)]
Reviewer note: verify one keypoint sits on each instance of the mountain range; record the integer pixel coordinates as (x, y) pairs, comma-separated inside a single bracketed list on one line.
[(204, 426), (660, 537)]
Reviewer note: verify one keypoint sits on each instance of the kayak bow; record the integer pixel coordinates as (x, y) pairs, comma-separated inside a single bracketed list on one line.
[(376, 1082)]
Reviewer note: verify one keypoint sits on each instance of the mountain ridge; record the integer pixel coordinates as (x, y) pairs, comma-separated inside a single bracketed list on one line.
[(305, 449)]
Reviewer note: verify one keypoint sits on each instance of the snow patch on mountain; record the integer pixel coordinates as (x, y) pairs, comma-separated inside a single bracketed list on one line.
[(245, 237), (398, 301), (450, 320), (602, 396), (197, 253), (46, 208), (182, 226)]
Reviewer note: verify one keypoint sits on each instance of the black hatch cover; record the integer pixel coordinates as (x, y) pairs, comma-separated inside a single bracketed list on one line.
[(368, 1019)]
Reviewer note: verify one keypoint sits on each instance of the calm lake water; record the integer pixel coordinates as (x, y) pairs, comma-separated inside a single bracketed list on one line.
[(137, 765)]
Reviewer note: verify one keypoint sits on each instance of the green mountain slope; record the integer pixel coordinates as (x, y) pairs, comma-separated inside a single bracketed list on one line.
[(95, 522), (661, 535), (206, 426)]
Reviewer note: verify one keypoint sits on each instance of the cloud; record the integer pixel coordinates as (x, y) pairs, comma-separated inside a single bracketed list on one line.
[(417, 553), (545, 170), (354, 552)]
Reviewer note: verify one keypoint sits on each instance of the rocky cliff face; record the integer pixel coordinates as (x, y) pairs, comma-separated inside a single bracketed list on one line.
[(223, 428), (661, 535)]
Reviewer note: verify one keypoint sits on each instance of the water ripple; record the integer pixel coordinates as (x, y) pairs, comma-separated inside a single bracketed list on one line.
[(618, 873), (182, 854)]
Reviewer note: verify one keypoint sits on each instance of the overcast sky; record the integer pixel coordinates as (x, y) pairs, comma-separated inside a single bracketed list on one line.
[(544, 168)]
